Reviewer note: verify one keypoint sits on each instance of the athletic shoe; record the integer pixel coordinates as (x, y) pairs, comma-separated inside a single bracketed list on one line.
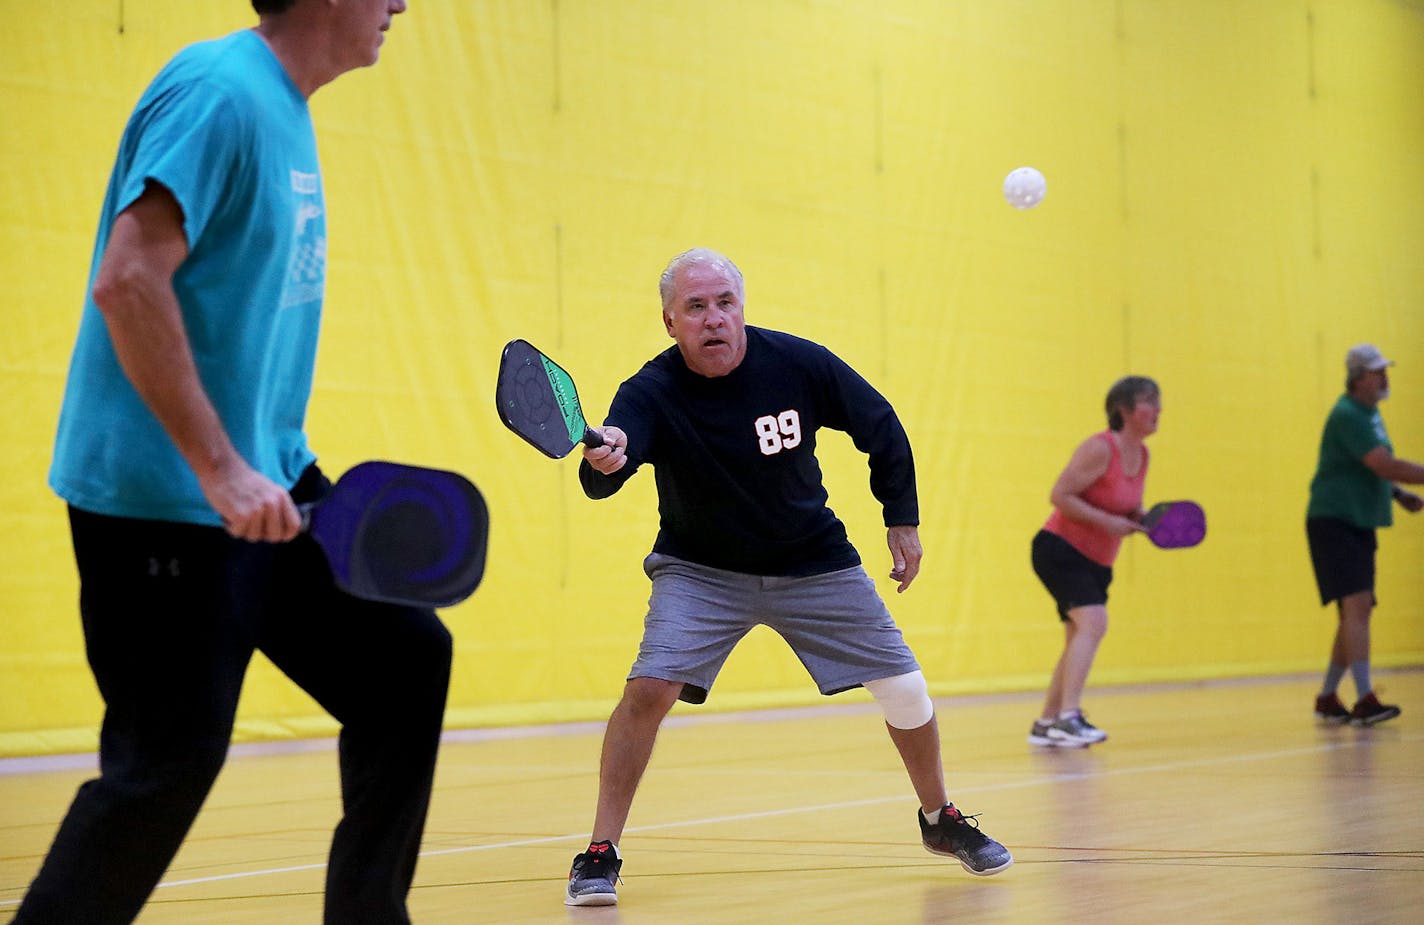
[(1077, 725), (593, 875), (1073, 731), (1368, 711), (1084, 729), (1329, 709), (1041, 733), (957, 836)]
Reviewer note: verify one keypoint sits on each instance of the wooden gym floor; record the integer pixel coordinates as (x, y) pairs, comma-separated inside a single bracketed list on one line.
[(1212, 802)]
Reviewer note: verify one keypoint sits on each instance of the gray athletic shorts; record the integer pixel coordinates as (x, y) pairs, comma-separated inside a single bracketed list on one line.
[(836, 624)]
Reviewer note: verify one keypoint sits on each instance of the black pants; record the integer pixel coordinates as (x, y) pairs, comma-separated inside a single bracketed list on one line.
[(172, 614)]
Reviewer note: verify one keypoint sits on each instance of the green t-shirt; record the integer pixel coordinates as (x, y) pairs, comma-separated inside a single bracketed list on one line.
[(1343, 486)]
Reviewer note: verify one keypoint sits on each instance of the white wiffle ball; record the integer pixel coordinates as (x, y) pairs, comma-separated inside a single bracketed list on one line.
[(1024, 187)]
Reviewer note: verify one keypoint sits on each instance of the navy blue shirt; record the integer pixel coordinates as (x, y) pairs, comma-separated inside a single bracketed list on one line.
[(739, 485)]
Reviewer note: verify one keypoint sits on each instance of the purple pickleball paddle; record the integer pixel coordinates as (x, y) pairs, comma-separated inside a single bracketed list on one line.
[(1175, 524)]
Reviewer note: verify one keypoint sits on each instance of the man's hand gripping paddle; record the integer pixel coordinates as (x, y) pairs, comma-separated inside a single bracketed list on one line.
[(1175, 524), (537, 400), (402, 534)]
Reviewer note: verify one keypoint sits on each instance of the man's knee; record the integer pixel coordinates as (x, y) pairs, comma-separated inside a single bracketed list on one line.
[(175, 781), (1357, 607), (904, 699), (425, 651), (437, 649), (650, 697)]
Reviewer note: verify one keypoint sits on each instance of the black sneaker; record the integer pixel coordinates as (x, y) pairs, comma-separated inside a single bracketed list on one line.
[(1329, 709), (1368, 711), (592, 878), (958, 836)]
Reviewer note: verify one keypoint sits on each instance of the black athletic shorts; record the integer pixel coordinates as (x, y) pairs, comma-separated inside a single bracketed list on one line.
[(1072, 578), (1343, 556)]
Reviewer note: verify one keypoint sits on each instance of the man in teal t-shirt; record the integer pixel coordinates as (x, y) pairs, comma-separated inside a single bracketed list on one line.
[(222, 116), (182, 457), (1349, 498)]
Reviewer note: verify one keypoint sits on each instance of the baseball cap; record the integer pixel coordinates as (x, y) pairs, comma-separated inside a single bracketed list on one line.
[(1365, 357)]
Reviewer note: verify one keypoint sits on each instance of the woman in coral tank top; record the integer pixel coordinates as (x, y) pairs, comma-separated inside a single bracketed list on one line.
[(1097, 501)]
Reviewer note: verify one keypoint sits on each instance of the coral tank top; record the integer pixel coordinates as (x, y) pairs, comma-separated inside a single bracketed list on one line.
[(1114, 492)]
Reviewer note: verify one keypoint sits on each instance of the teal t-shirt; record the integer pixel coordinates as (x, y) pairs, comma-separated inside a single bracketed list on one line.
[(225, 130), (1343, 486)]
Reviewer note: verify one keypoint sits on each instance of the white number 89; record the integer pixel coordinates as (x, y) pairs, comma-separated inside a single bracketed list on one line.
[(782, 432)]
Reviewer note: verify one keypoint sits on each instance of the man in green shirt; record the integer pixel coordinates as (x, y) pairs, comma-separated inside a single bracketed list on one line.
[(1349, 499)]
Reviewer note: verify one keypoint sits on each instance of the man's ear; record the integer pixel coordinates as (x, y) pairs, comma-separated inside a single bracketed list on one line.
[(667, 322)]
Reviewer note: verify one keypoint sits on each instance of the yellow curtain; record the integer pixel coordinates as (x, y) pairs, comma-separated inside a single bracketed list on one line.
[(1233, 200)]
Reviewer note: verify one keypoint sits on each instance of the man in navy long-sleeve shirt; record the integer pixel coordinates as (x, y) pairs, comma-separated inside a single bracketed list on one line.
[(728, 419)]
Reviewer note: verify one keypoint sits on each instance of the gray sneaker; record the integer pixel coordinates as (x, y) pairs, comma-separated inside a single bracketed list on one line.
[(1078, 725), (1073, 732), (957, 836), (594, 873), (1042, 733)]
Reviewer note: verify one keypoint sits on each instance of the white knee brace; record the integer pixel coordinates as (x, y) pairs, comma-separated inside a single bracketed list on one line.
[(904, 698)]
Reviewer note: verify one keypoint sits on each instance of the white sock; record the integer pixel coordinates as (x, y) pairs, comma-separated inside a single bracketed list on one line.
[(931, 818), (1069, 714)]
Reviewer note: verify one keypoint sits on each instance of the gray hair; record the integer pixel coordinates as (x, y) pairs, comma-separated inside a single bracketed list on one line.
[(667, 283), (1125, 394)]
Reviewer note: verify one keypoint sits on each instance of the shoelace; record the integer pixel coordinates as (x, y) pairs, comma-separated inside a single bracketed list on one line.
[(968, 828)]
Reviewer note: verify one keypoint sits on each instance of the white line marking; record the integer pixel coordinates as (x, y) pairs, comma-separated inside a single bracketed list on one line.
[(822, 807)]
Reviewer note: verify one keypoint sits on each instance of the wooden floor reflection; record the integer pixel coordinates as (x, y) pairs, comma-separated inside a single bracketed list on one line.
[(1216, 802)]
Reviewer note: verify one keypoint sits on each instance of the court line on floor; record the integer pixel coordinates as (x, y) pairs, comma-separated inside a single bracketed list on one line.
[(89, 761), (787, 811)]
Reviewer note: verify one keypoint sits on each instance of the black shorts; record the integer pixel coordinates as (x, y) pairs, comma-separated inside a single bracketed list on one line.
[(1343, 556), (1072, 578)]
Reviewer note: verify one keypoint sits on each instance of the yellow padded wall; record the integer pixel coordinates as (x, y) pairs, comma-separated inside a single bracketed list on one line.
[(1233, 201)]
